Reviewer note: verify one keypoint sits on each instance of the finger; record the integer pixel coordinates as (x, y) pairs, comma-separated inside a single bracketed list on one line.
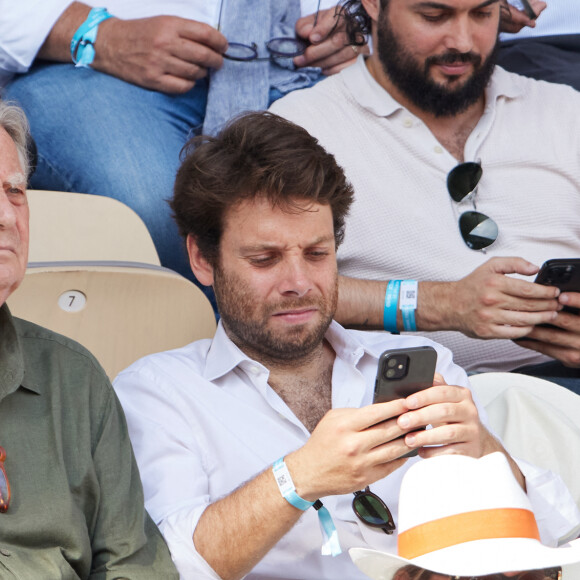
[(438, 379), (326, 23), (439, 405), (172, 85), (566, 334), (317, 54), (440, 393), (384, 433), (570, 299), (530, 291), (201, 33), (512, 265), (356, 50), (371, 415), (196, 53), (569, 357), (328, 60)]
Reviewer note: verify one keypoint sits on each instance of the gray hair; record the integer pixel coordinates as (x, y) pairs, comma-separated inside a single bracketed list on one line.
[(14, 122)]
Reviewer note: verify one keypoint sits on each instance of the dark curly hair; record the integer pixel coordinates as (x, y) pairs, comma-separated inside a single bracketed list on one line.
[(256, 155)]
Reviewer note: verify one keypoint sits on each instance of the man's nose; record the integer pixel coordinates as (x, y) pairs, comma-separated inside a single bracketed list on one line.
[(295, 279), (460, 35)]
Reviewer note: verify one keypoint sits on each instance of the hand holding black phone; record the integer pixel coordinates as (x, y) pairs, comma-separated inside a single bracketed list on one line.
[(563, 273), (402, 372)]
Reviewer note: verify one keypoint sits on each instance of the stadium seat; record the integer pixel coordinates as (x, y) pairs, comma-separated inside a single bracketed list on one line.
[(120, 313)]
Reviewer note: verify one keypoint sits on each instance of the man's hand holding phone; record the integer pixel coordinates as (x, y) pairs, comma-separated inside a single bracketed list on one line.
[(456, 426), (560, 339)]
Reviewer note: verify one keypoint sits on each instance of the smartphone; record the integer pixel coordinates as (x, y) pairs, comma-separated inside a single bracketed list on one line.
[(402, 372), (564, 274), (528, 9)]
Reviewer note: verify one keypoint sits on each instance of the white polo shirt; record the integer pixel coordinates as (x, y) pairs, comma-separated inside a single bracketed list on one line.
[(403, 223)]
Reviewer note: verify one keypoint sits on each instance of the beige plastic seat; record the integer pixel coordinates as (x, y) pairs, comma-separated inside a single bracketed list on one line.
[(119, 313), (537, 420), (69, 227)]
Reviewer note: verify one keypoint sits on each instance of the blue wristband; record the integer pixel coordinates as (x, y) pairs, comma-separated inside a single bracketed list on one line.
[(331, 545), (82, 48), (408, 304), (286, 486), (390, 308)]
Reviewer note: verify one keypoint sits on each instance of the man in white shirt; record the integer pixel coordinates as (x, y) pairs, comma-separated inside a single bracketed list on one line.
[(402, 123), (262, 207), (147, 78)]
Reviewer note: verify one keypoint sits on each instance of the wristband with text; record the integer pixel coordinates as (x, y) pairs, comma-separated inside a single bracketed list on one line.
[(331, 545), (82, 48), (408, 304)]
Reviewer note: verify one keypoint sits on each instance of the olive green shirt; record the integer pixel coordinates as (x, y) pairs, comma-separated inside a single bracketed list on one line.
[(77, 503)]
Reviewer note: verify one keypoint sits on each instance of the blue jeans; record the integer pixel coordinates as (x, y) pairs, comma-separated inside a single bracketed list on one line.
[(100, 135)]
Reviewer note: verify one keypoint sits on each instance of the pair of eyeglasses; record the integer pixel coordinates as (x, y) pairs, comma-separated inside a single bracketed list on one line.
[(4, 485), (546, 574), (477, 230), (373, 511), (280, 47)]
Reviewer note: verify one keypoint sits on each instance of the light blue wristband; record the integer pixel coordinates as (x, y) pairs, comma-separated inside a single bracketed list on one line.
[(390, 308), (286, 486), (331, 545), (82, 48)]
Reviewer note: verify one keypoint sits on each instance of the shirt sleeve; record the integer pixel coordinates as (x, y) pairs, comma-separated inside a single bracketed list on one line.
[(557, 514), (169, 451), (24, 26), (125, 541)]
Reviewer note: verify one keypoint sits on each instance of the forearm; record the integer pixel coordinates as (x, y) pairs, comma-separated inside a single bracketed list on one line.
[(361, 305), (56, 47), (236, 532), (491, 444)]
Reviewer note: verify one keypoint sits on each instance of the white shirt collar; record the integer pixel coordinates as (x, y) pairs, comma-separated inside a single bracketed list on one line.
[(224, 355)]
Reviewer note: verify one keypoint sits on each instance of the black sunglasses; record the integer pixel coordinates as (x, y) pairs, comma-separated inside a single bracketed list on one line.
[(477, 230), (280, 47), (373, 511)]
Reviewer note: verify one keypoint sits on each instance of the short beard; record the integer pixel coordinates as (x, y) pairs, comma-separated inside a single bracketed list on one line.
[(246, 323), (414, 82)]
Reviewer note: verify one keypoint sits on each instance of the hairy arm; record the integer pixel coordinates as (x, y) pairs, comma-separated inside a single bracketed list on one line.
[(485, 304), (162, 53), (349, 449)]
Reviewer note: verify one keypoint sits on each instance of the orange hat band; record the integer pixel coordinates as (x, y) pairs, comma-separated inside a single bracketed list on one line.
[(467, 527)]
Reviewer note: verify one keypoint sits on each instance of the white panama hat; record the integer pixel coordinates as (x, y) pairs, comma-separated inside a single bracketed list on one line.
[(461, 516)]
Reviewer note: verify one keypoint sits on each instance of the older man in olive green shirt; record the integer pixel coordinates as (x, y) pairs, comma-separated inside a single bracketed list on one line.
[(71, 502)]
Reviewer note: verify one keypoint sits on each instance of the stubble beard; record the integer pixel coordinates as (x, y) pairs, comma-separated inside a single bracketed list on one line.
[(246, 322)]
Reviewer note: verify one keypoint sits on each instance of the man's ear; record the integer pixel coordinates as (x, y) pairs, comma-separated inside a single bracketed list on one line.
[(373, 8), (201, 268)]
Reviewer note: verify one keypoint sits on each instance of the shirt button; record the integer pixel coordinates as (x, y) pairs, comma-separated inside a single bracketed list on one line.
[(438, 149), (255, 370), (408, 122)]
